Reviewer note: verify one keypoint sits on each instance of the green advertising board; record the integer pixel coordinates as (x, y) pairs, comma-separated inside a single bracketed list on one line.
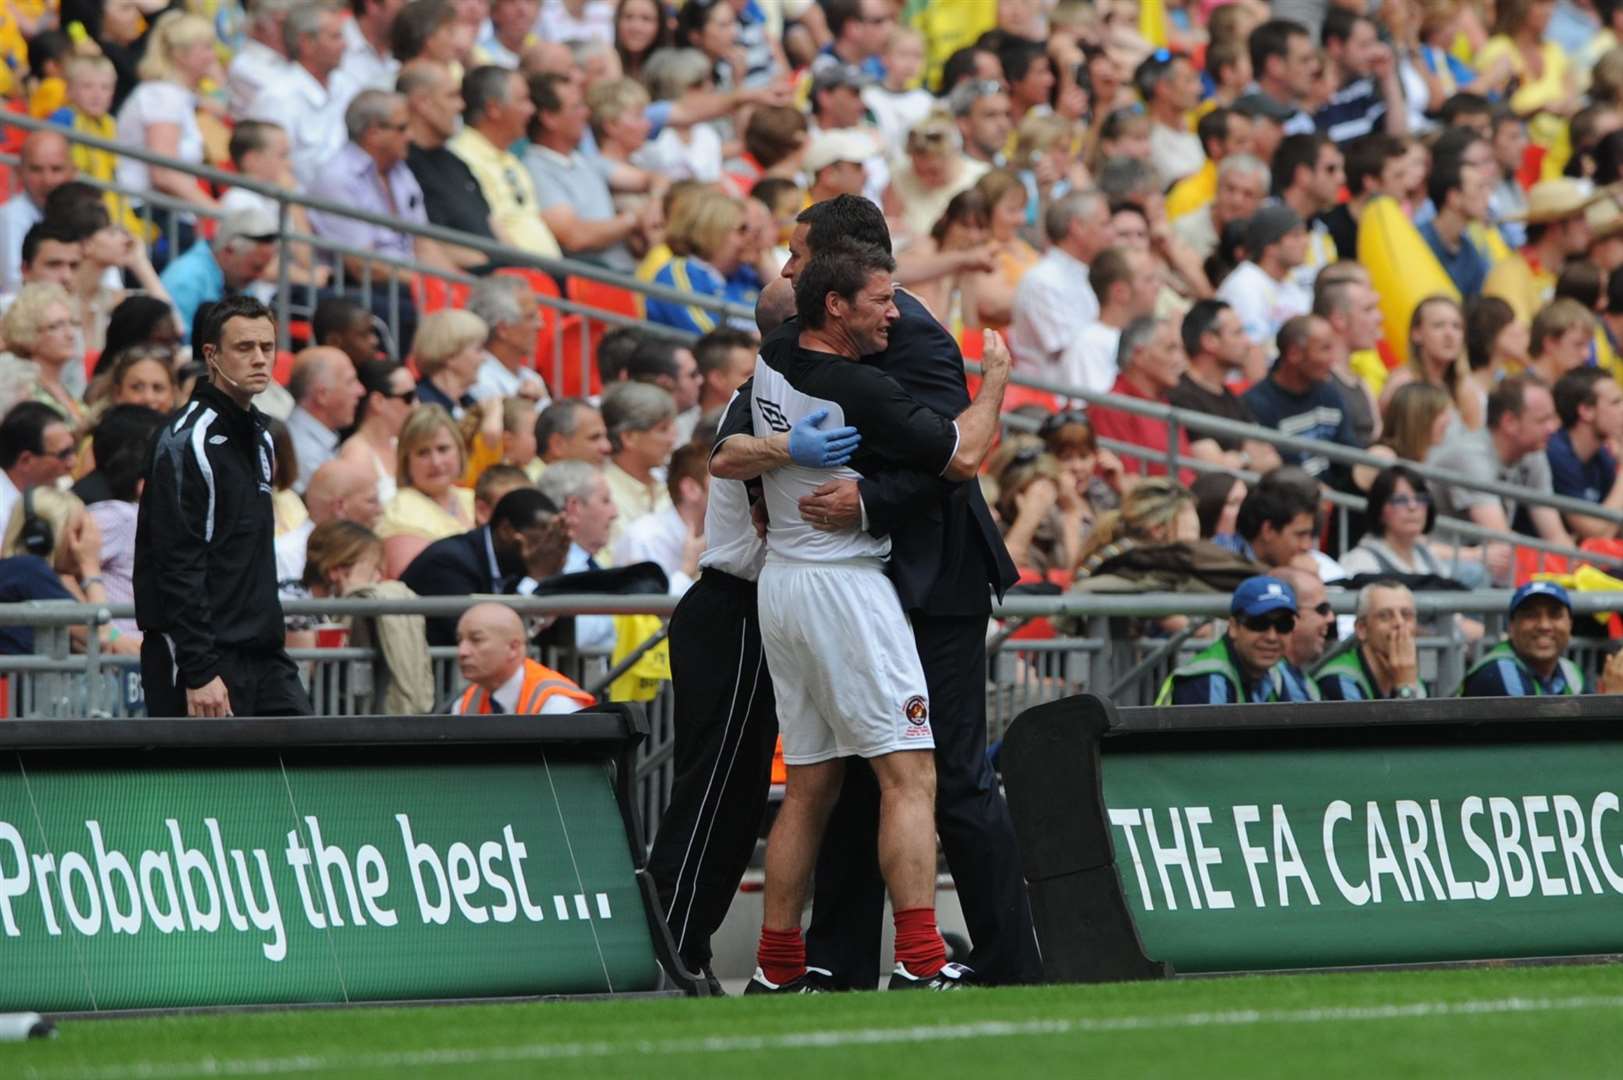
[(369, 870), (1325, 835)]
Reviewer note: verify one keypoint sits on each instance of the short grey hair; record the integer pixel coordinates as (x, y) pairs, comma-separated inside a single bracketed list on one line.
[(1134, 337), (1243, 164), (269, 10), (562, 417), (635, 406), (1067, 209), (368, 109), (670, 73), (1366, 595), (303, 20), (497, 300), (565, 480), (1122, 178)]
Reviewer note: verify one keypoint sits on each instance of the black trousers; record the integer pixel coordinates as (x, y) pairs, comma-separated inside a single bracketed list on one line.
[(977, 834), (261, 682), (726, 728)]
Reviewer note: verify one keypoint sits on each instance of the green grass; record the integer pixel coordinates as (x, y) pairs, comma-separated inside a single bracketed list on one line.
[(1523, 1022)]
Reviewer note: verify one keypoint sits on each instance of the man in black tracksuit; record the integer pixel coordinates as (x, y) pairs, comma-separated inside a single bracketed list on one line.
[(205, 564)]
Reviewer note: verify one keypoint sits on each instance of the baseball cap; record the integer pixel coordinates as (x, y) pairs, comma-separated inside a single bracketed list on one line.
[(1257, 104), (1267, 226), (829, 73), (828, 147), (249, 223), (1262, 594), (1540, 588)]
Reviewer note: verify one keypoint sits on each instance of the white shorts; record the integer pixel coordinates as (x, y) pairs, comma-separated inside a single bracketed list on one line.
[(844, 665)]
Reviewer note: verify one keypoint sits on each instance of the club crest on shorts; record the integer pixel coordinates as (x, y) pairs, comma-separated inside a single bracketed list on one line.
[(917, 712)]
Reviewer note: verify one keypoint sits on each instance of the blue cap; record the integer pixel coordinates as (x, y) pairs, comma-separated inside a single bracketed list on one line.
[(1260, 595), (1540, 588)]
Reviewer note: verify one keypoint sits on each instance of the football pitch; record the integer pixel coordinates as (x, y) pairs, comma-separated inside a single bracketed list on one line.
[(1562, 1021)]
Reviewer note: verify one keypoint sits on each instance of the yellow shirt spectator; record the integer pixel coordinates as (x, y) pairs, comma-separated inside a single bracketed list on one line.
[(514, 213), (1523, 286), (1193, 191)]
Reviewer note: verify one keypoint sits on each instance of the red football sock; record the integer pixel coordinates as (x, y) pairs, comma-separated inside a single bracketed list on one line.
[(918, 942), (782, 955)]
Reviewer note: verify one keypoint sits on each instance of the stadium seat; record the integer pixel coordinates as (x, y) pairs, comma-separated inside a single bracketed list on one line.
[(603, 297), (973, 345), (571, 331), (436, 293), (1530, 562), (91, 357), (283, 369)]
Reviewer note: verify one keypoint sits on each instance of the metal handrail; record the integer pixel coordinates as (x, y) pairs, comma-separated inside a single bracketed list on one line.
[(517, 256), (54, 613)]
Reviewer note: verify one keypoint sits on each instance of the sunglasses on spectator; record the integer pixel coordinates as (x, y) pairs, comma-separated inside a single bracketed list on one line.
[(1283, 621), (1403, 502), (408, 396)]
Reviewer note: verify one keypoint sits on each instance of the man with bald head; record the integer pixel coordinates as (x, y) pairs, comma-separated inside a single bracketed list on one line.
[(338, 491), (46, 163), (326, 391), (490, 651)]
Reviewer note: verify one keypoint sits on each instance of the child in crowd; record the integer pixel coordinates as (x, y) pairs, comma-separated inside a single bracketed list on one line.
[(90, 84), (899, 103)]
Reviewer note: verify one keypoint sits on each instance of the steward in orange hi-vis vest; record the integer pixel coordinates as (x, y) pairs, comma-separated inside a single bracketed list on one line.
[(541, 684)]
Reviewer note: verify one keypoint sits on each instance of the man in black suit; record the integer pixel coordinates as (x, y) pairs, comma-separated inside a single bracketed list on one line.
[(491, 558), (947, 558)]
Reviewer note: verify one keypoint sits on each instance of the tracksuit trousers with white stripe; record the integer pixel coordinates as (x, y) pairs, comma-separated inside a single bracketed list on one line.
[(726, 729)]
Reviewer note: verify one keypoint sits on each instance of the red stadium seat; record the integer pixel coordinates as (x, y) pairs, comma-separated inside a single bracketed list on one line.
[(609, 298), (283, 369), (436, 293), (571, 331), (91, 357)]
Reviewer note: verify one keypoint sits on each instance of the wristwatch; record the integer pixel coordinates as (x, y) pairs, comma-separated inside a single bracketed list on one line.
[(1406, 693)]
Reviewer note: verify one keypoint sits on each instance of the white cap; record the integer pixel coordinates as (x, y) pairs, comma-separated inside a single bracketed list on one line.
[(250, 223), (828, 147)]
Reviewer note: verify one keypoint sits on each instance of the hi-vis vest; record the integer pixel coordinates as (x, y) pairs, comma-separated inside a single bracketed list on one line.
[(541, 684), (1350, 665), (1214, 660), (1571, 673)]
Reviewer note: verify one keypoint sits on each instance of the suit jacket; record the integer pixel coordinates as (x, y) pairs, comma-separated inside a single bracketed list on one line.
[(947, 555), (455, 566)]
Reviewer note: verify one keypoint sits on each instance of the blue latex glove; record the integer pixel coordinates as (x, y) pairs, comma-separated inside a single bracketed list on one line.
[(813, 448)]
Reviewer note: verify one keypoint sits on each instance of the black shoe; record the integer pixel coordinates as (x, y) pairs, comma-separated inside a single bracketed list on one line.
[(712, 982), (950, 977), (813, 981)]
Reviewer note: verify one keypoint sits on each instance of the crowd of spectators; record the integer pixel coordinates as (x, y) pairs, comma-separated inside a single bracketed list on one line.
[(1169, 211)]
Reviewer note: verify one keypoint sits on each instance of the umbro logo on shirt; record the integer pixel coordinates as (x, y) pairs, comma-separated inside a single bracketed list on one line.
[(216, 440), (772, 413)]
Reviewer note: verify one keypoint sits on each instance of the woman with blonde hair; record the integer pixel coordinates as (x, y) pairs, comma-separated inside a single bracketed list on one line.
[(160, 114), (344, 559), (449, 347), (1546, 90), (40, 332), (1437, 356), (922, 186), (1156, 510), (1046, 161), (55, 526), (428, 505), (1415, 421), (707, 234)]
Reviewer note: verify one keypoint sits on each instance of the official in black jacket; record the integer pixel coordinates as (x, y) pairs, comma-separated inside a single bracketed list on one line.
[(205, 564)]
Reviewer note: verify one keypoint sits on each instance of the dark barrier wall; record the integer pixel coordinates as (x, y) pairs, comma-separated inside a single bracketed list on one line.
[(157, 864), (1286, 836)]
